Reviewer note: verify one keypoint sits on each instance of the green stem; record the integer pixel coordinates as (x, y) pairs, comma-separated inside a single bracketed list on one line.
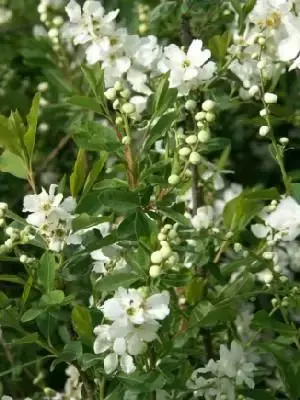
[(102, 389)]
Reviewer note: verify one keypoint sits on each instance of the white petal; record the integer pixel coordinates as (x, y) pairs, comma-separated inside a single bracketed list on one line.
[(196, 55), (110, 363), (157, 305), (73, 10), (101, 344), (175, 54), (112, 310), (259, 230), (289, 48), (36, 219), (127, 364), (119, 346)]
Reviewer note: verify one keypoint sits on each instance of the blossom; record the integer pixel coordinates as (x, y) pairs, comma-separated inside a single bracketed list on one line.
[(185, 68), (107, 257), (204, 218), (90, 22), (5, 15)]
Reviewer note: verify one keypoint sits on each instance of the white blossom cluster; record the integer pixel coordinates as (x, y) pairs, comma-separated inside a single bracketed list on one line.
[(136, 59), (134, 320), (107, 259), (51, 215), (268, 43), (221, 378)]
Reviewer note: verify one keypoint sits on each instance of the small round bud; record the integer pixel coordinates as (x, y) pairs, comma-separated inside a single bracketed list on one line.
[(172, 234), (118, 86), (154, 271), (200, 125), (43, 102), (263, 112), (2, 222), (210, 117), (173, 179), (42, 8), (283, 278), (203, 136), (110, 94), (143, 28), (192, 139), (284, 140), (268, 255), (208, 105), (156, 257), (229, 235), (190, 105), (43, 127), (3, 206), (237, 247), (23, 259), (53, 33), (195, 158), (277, 268), (58, 20), (10, 231), (270, 98), (274, 302), (8, 243), (261, 64), (200, 116), (264, 130), (165, 251), (125, 94), (125, 140), (285, 302), (184, 151), (166, 228), (128, 108), (161, 236), (43, 87), (253, 90), (119, 120), (261, 41)]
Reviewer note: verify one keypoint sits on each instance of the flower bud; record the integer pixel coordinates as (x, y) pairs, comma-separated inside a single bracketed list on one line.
[(118, 86), (200, 116), (172, 234), (23, 259), (253, 90), (126, 140), (190, 105), (237, 247), (156, 257), (10, 231), (192, 139), (274, 302), (210, 117), (208, 105), (264, 130), (195, 158), (263, 112), (143, 28), (119, 120), (261, 64), (42, 87), (110, 94), (58, 20), (128, 108), (116, 104), (161, 236), (270, 98), (165, 251), (268, 255), (184, 151), (261, 41), (125, 93), (173, 179), (53, 33), (203, 136), (284, 140), (154, 271), (200, 125), (3, 206)]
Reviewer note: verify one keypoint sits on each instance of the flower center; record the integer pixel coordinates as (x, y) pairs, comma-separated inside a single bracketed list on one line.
[(46, 207), (186, 63), (273, 20), (131, 311)]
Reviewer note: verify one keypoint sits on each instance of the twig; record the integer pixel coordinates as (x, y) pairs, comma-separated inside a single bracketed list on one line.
[(54, 153), (6, 349)]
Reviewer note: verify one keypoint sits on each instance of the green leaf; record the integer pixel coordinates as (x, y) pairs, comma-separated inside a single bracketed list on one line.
[(78, 175), (207, 314), (263, 194), (95, 78), (143, 225), (86, 102), (177, 278), (72, 351), (295, 191), (27, 339), (144, 382), (244, 284), (53, 297), (46, 270), (94, 173), (258, 394), (160, 127), (248, 7), (26, 290), (84, 221), (31, 314), (57, 79), (93, 136), (164, 97), (122, 201), (163, 10), (32, 120), (8, 139), (82, 323), (218, 45), (215, 144), (262, 320), (13, 164), (236, 4), (112, 282), (12, 279), (89, 361), (174, 215)]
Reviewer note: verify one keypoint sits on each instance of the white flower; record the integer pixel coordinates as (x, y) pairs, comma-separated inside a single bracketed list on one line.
[(185, 68), (140, 103), (107, 257), (5, 15), (204, 218), (91, 22)]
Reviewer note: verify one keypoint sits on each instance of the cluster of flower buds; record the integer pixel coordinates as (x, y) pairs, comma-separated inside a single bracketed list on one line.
[(16, 237), (165, 256), (143, 17), (3, 210)]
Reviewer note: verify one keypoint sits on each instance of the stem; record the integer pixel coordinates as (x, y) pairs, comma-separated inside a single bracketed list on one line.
[(102, 389), (129, 157)]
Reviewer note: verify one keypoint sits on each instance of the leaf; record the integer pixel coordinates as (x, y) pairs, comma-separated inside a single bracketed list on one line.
[(46, 270), (244, 284), (12, 279), (86, 102), (237, 6), (112, 282), (94, 173), (32, 120), (218, 45), (248, 7), (295, 191), (89, 361), (163, 10), (95, 79), (84, 221), (122, 201), (31, 314), (13, 164), (207, 314), (53, 297), (93, 136), (143, 382), (57, 79), (78, 175), (72, 351), (27, 339), (82, 323), (258, 394), (174, 215), (8, 139), (143, 225), (26, 290), (177, 279), (215, 144), (262, 320), (164, 97), (263, 194), (158, 130)]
